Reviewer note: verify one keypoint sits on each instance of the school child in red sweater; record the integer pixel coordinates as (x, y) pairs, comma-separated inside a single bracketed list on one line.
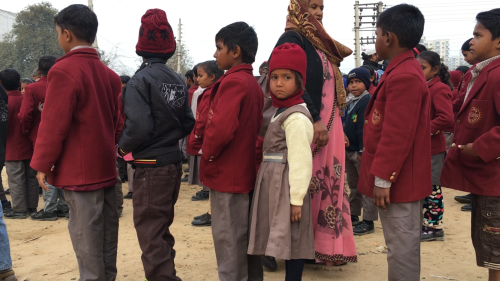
[(396, 162), (281, 227), (438, 80), (75, 147), (228, 151), (19, 150), (473, 162), (208, 73)]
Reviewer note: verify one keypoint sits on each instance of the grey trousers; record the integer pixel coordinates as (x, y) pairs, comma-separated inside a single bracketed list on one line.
[(119, 195), (23, 185), (51, 200), (93, 228), (356, 199), (230, 226), (130, 175), (183, 146), (402, 224), (449, 140)]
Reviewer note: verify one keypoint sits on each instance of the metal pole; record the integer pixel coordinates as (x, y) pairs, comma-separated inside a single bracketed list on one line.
[(94, 45), (380, 8), (356, 34), (179, 50)]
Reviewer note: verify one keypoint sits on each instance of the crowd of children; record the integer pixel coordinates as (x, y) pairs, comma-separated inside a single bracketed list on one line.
[(294, 190)]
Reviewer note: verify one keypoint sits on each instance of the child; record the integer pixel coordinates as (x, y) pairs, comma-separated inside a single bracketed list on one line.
[(358, 82), (25, 82), (228, 151), (472, 164), (76, 142), (19, 150), (438, 80), (208, 74), (466, 52), (373, 79), (281, 227), (157, 117), (191, 83), (35, 75), (396, 162)]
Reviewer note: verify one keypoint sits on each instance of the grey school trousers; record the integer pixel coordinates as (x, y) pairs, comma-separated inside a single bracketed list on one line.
[(130, 175), (54, 199), (230, 227), (356, 199), (93, 228), (23, 185), (402, 224)]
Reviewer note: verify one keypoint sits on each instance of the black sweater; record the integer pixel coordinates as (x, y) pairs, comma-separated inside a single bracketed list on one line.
[(353, 125), (3, 124)]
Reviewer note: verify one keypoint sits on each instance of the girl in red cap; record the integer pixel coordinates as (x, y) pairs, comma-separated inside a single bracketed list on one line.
[(281, 224)]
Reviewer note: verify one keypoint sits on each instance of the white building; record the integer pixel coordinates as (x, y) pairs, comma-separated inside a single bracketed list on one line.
[(456, 61), (440, 46), (7, 20)]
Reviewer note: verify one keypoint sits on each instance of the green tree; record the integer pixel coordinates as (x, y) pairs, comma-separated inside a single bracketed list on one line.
[(33, 35), (186, 60)]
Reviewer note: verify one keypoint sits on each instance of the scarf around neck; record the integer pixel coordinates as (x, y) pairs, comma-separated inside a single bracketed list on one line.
[(292, 100)]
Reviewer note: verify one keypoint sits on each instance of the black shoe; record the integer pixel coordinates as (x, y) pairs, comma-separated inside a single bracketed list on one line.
[(464, 198), (185, 179), (40, 190), (60, 213), (203, 195), (467, 208), (32, 211), (123, 178), (128, 196), (429, 234), (15, 215), (355, 220), (43, 216), (269, 263), (6, 206), (186, 170), (199, 217), (67, 216), (205, 220), (363, 228)]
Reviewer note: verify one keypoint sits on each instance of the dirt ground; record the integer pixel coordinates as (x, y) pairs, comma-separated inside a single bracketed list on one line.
[(50, 256)]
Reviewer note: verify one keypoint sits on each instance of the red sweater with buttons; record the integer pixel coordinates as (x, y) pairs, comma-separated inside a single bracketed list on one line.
[(195, 139), (29, 115), (76, 138), (19, 146), (441, 114), (233, 124)]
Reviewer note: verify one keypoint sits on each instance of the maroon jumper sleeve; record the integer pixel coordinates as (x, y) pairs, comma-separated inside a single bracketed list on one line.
[(444, 109), (486, 146), (26, 114)]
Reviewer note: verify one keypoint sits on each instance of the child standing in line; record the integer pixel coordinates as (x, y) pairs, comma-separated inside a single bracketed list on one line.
[(358, 82), (438, 80), (396, 162), (228, 151), (473, 162), (281, 224)]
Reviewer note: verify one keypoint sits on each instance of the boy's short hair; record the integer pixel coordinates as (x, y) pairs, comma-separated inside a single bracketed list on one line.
[(10, 79), (466, 46), (463, 69), (80, 20), (45, 64), (243, 35), (190, 75), (405, 21), (491, 21), (125, 79)]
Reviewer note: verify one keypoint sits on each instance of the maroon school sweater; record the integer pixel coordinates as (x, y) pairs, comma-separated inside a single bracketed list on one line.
[(19, 146), (441, 114), (76, 138), (30, 116)]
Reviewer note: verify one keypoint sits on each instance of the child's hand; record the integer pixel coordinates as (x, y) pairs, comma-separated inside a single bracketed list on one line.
[(468, 149), (320, 134), (42, 178), (296, 212), (346, 140), (40, 106), (359, 158), (381, 197)]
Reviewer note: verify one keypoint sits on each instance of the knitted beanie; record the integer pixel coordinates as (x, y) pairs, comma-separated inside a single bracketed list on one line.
[(362, 74), (156, 39), (289, 56)]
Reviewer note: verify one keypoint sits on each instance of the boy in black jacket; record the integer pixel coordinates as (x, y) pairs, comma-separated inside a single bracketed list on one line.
[(358, 83), (157, 116)]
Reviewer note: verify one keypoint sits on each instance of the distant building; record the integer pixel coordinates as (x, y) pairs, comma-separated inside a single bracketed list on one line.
[(456, 61), (440, 46), (7, 20)]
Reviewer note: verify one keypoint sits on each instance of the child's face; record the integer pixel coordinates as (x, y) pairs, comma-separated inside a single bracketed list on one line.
[(468, 57), (282, 83), (316, 7), (356, 87), (482, 46), (123, 85), (380, 44), (224, 59), (23, 85), (204, 80), (429, 71)]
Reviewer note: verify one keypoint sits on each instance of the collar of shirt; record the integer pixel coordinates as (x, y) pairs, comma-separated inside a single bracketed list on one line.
[(80, 47), (475, 73)]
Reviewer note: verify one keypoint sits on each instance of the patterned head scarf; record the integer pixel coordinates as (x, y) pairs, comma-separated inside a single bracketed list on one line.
[(299, 19)]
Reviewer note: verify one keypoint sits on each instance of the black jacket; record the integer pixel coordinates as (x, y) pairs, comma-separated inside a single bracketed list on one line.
[(157, 112), (314, 81), (354, 123), (4, 121)]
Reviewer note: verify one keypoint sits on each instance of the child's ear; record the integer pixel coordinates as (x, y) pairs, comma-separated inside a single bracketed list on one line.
[(236, 52), (67, 35), (497, 42), (389, 39)]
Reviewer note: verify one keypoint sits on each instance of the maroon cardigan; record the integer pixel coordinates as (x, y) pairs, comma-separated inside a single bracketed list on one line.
[(18, 146), (76, 138), (233, 124), (441, 114), (29, 115), (195, 139), (477, 122), (397, 133)]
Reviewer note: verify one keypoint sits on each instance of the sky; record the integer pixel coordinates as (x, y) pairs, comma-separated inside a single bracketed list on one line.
[(119, 22)]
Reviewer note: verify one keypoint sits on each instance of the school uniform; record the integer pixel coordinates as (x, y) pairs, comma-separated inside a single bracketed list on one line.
[(191, 91), (372, 89), (397, 154), (478, 122), (76, 148), (228, 169)]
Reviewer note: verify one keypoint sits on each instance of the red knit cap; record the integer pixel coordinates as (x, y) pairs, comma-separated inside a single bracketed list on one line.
[(289, 56), (156, 39)]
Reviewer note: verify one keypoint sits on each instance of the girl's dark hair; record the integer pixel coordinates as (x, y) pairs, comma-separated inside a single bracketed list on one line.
[(420, 48), (466, 45), (365, 56), (372, 74), (211, 68), (434, 60), (299, 80), (463, 69), (27, 81)]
